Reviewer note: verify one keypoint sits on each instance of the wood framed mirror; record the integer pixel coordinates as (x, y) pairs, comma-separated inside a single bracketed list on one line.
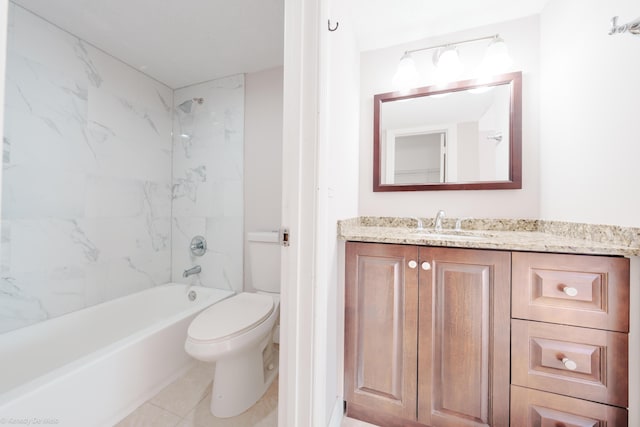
[(465, 135)]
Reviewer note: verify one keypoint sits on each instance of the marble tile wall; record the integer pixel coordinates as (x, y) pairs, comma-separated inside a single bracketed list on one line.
[(208, 182), (86, 197)]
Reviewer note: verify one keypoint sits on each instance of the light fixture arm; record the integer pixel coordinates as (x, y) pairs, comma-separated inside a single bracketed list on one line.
[(495, 36)]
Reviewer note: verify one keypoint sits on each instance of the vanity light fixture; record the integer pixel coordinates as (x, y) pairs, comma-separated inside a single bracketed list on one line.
[(406, 75), (448, 65)]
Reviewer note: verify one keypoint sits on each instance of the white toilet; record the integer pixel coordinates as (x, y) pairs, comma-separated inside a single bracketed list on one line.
[(237, 333)]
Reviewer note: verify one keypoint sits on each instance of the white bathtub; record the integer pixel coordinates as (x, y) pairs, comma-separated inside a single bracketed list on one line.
[(93, 366)]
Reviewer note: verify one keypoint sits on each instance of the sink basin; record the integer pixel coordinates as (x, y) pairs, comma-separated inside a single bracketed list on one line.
[(451, 235)]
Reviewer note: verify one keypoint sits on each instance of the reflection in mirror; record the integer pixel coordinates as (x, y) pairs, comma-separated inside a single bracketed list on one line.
[(462, 136), (416, 157)]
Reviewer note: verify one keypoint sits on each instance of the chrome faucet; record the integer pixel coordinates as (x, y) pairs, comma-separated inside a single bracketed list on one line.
[(438, 222), (459, 223), (191, 271)]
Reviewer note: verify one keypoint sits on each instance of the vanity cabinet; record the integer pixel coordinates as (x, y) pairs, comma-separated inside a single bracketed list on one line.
[(464, 337), (426, 338)]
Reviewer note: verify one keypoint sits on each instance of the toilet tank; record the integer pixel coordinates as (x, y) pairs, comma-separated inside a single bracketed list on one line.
[(264, 260)]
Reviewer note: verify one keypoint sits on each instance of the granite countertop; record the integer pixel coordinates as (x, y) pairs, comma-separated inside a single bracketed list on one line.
[(506, 234)]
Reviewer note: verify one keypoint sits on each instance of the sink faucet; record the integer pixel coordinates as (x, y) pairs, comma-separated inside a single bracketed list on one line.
[(193, 270), (459, 223), (438, 222), (419, 225)]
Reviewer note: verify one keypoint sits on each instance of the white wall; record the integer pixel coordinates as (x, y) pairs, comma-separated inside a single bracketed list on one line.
[(208, 172), (86, 175), (467, 152), (337, 199), (590, 132), (377, 69), (262, 155), (494, 122)]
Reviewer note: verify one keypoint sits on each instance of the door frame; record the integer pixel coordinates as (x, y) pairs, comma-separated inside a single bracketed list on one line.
[(299, 210)]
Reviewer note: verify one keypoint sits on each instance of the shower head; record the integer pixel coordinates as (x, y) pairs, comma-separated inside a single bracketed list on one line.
[(187, 105)]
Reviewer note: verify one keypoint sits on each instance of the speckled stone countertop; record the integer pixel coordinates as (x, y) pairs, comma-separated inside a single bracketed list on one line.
[(506, 234)]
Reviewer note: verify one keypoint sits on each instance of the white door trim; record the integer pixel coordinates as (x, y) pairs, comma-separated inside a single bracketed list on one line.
[(300, 135)]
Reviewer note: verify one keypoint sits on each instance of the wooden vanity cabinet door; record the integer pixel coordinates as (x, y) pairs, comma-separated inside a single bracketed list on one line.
[(381, 327), (463, 354)]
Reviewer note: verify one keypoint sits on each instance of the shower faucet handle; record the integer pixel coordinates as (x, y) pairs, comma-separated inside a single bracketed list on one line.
[(198, 246)]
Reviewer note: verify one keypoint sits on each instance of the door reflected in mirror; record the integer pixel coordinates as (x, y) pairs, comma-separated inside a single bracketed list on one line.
[(466, 135), (416, 158)]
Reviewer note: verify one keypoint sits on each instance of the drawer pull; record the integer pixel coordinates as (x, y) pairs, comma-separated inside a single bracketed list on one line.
[(570, 291), (426, 266), (413, 264), (569, 364)]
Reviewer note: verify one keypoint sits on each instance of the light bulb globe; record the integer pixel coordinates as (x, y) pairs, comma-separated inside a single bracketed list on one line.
[(496, 59), (406, 76), (448, 65)]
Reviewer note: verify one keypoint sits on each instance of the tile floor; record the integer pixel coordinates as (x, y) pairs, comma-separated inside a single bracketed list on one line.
[(350, 422), (185, 403)]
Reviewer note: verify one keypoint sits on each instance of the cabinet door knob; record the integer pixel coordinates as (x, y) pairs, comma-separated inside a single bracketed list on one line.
[(413, 264), (569, 364), (570, 291), (426, 266)]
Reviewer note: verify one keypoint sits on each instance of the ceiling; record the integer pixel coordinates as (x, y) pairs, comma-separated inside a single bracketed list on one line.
[(185, 42), (176, 42)]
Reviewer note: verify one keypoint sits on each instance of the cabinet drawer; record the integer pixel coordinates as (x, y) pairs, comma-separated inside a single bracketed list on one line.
[(580, 290), (533, 408), (586, 363)]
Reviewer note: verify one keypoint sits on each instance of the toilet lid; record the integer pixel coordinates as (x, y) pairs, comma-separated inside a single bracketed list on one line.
[(231, 316)]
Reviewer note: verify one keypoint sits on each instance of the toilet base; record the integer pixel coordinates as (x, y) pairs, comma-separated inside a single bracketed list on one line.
[(242, 379)]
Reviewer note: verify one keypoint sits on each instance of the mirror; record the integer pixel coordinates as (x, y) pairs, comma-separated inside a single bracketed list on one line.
[(465, 135)]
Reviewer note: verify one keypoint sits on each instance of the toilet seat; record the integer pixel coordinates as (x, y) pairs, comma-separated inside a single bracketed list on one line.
[(230, 317)]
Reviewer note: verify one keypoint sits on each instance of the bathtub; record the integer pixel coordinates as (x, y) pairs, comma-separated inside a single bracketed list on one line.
[(92, 367)]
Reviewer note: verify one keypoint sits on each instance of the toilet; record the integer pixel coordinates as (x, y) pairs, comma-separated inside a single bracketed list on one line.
[(238, 333)]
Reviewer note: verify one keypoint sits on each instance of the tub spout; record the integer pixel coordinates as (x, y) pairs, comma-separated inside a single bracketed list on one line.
[(193, 270)]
